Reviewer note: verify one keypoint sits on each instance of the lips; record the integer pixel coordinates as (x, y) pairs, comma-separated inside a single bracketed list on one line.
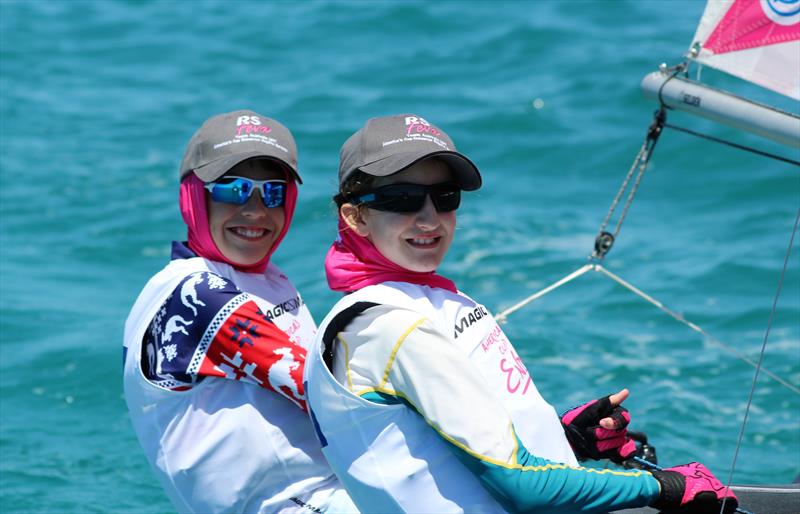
[(249, 233), (424, 242)]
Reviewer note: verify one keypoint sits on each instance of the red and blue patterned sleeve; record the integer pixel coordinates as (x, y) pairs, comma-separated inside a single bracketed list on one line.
[(207, 327)]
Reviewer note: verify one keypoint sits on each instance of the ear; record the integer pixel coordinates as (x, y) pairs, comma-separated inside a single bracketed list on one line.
[(354, 219)]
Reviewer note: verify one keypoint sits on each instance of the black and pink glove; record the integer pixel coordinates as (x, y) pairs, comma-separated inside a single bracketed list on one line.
[(589, 440), (692, 489)]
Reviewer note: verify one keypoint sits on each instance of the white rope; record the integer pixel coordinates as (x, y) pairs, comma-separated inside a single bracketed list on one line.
[(696, 328), (503, 316)]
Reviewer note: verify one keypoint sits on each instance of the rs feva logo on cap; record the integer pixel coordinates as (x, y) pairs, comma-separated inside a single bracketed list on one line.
[(250, 125), (418, 130), (419, 125)]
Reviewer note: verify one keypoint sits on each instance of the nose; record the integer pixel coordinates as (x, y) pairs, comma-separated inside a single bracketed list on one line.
[(427, 217), (254, 207)]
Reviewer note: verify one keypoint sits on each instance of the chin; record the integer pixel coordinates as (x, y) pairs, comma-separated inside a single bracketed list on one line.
[(423, 267), (245, 259), (248, 262)]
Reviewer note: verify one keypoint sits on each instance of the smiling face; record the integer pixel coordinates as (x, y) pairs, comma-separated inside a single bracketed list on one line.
[(245, 233), (417, 241)]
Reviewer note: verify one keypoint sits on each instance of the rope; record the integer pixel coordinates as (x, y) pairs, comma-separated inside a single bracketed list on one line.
[(734, 145), (763, 348), (636, 161), (605, 240), (503, 315), (501, 318), (678, 317)]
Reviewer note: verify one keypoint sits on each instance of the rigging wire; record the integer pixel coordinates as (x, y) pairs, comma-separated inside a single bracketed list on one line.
[(734, 145), (763, 349), (503, 315), (605, 240), (678, 317)]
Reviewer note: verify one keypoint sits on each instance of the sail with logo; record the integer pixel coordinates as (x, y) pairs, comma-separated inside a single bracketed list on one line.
[(755, 40)]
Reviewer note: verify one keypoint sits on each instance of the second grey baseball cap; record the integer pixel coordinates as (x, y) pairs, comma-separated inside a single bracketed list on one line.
[(389, 144), (225, 140)]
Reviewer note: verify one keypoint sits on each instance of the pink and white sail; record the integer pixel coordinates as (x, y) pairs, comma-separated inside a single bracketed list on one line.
[(756, 40)]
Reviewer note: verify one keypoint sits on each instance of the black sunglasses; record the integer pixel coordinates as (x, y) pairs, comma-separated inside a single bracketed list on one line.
[(446, 197)]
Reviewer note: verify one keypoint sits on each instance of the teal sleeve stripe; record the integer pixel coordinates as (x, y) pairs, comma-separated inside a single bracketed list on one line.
[(384, 398), (538, 485)]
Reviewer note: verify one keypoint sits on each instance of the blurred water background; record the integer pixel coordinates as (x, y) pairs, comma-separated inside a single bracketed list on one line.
[(97, 102)]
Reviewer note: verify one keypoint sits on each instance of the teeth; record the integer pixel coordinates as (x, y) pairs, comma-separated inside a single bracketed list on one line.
[(421, 241), (249, 232)]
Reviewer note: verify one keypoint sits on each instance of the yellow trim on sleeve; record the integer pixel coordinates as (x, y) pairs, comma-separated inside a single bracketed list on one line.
[(514, 464), (383, 390), (346, 362), (514, 461), (396, 348)]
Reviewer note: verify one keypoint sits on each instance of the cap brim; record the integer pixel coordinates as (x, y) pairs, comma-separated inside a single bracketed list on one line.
[(466, 173), (215, 169)]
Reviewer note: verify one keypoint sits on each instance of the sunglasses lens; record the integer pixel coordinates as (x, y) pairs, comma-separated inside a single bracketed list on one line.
[(236, 191), (402, 202), (446, 199), (274, 194)]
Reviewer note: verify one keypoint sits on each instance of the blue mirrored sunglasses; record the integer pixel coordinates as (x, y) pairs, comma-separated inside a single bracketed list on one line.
[(238, 190)]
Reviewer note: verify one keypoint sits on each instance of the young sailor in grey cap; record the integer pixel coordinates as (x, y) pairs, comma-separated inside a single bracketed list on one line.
[(421, 402), (215, 345)]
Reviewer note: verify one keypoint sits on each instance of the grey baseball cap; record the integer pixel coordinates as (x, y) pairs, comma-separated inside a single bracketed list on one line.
[(389, 144), (227, 139)]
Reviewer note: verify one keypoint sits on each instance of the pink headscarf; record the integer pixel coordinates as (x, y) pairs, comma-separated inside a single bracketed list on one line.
[(353, 262), (195, 214)]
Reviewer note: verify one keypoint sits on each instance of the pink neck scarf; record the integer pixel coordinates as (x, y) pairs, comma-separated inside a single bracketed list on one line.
[(353, 262), (195, 214)]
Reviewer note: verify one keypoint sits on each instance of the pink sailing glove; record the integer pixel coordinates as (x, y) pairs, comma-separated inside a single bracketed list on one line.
[(692, 489), (592, 440)]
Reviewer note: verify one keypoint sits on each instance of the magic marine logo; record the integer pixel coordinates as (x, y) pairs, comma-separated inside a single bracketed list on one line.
[(289, 306), (467, 321), (782, 12)]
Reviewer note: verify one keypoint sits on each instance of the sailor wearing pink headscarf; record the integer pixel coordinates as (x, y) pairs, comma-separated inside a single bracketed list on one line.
[(420, 401), (215, 345)]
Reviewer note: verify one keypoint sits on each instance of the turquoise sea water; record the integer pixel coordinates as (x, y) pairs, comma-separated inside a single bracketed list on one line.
[(98, 99)]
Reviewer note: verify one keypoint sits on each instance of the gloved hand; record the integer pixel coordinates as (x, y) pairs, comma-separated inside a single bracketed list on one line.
[(598, 429), (692, 489)]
